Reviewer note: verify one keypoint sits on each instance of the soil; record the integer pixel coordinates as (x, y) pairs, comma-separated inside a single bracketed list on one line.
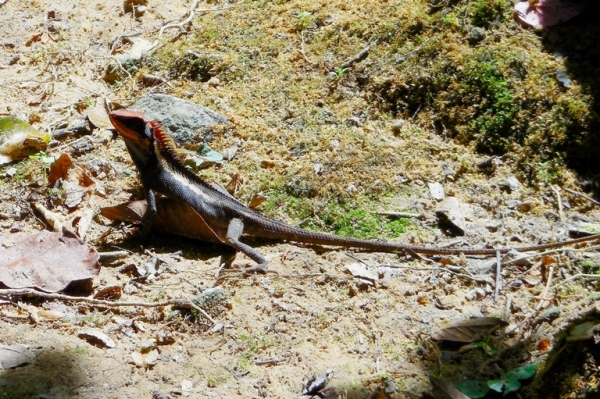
[(308, 315)]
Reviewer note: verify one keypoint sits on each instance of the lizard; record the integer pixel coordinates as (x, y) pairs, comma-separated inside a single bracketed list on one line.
[(225, 218)]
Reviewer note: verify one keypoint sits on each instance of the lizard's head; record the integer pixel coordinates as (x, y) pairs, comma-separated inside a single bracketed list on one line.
[(136, 131), (131, 125)]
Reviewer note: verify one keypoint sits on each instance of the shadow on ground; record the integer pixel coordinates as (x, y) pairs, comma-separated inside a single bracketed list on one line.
[(55, 373), (577, 41)]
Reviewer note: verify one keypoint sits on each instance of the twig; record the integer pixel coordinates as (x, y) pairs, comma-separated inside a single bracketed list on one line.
[(302, 48), (583, 196), (575, 277), (548, 252), (270, 361), (126, 71), (543, 302), (439, 269), (560, 205), (507, 308), (401, 214), (357, 58), (179, 302), (403, 57), (498, 268), (112, 254), (191, 13)]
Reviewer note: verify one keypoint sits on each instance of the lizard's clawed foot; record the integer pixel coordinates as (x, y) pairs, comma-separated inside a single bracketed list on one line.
[(259, 269)]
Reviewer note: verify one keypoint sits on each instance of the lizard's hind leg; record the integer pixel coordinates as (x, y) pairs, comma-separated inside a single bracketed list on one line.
[(234, 231)]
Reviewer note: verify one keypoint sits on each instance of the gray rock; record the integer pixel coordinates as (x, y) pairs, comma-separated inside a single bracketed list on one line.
[(452, 211), (212, 297), (182, 119), (437, 191)]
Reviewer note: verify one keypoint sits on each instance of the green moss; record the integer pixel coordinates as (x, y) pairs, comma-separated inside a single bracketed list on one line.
[(486, 12), (365, 225)]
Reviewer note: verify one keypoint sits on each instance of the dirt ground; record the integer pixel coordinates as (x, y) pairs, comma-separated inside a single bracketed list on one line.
[(277, 330)]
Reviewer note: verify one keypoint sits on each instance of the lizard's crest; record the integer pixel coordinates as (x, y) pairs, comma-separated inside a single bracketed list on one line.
[(165, 144)]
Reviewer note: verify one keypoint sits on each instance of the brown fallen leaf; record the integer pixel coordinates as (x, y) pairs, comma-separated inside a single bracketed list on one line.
[(547, 12), (468, 330), (76, 182), (36, 98), (51, 314), (112, 292), (256, 200), (173, 217), (97, 338), (235, 183), (48, 261)]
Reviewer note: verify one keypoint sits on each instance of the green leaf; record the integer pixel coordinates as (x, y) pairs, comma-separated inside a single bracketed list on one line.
[(511, 386), (203, 157), (521, 373), (18, 140), (41, 156), (473, 389), (496, 385)]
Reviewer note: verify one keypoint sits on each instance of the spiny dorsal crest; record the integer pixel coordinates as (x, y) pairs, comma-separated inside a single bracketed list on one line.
[(165, 143)]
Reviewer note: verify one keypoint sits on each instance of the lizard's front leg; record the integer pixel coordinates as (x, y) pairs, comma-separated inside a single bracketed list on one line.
[(234, 231), (150, 215)]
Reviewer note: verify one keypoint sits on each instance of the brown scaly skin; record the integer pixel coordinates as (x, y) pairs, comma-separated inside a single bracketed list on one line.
[(154, 154)]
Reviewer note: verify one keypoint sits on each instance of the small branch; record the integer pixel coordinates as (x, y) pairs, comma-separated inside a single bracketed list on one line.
[(113, 254), (405, 56), (191, 14), (544, 301), (270, 361), (575, 277), (401, 214), (357, 58), (126, 71), (498, 268), (593, 201), (439, 269), (561, 214), (179, 302), (302, 49), (508, 307), (548, 252)]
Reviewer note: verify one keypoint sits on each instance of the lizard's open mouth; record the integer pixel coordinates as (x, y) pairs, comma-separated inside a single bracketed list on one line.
[(130, 124)]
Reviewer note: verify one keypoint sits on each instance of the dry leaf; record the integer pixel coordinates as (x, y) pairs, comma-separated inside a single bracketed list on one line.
[(47, 261), (256, 200), (548, 260), (98, 116), (36, 99), (97, 338), (173, 217), (76, 182), (229, 153), (235, 183), (547, 12), (468, 330), (109, 293), (50, 314)]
